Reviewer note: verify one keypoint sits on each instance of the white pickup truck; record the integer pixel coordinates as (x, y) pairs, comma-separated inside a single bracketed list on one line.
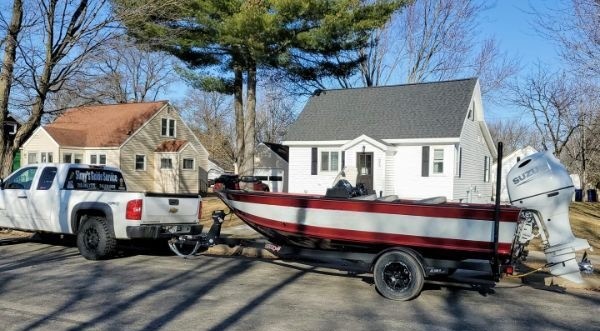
[(92, 203)]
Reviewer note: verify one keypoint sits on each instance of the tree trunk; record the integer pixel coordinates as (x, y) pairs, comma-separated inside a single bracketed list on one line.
[(238, 97), (247, 167), (6, 78)]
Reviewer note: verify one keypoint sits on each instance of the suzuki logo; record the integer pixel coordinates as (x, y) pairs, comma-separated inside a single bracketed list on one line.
[(526, 176)]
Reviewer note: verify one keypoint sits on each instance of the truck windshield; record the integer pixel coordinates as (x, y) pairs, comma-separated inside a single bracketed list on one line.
[(94, 180)]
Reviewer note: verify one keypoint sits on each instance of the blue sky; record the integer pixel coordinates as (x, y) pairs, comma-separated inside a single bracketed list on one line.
[(511, 24)]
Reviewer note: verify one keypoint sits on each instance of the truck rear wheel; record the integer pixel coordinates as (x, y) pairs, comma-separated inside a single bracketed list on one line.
[(398, 275), (95, 239)]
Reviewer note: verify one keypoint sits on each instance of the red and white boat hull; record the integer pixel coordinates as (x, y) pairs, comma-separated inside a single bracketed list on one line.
[(455, 230)]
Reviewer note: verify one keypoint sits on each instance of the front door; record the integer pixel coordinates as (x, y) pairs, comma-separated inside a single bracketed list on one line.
[(364, 165), (166, 180)]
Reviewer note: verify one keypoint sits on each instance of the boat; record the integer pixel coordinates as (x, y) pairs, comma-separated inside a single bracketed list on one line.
[(403, 242), (438, 229)]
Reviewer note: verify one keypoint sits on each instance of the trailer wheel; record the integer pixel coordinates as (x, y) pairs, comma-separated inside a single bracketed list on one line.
[(95, 239), (398, 275)]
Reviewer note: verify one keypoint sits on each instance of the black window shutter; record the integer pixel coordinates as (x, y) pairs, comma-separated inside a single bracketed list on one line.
[(343, 159), (313, 161), (425, 162), (460, 162)]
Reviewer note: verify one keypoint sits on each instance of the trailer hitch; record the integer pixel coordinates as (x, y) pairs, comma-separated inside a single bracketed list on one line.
[(585, 266), (179, 244)]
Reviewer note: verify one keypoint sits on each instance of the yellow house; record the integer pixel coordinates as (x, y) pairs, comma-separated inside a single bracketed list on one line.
[(151, 144)]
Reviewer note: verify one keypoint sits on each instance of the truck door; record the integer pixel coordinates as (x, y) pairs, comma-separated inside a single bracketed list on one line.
[(43, 202), (16, 191)]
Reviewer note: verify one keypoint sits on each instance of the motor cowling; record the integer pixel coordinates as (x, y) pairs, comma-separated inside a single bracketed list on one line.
[(540, 183)]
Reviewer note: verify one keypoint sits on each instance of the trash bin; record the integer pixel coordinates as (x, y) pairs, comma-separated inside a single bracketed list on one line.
[(592, 195), (578, 195)]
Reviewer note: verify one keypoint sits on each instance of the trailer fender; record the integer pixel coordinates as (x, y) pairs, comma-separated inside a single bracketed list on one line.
[(412, 252)]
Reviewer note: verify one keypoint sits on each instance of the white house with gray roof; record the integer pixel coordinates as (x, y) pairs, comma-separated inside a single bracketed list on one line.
[(413, 141)]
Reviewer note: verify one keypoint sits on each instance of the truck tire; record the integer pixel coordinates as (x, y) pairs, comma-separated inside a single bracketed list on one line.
[(95, 239), (398, 275)]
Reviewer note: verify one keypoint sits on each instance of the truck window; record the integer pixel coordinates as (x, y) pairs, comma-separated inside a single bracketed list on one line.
[(47, 178), (21, 180), (94, 180)]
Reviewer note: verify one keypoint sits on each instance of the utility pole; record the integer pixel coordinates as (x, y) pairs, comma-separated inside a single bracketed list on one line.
[(583, 172)]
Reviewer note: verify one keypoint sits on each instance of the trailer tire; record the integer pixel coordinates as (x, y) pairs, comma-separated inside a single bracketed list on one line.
[(95, 239), (398, 275)]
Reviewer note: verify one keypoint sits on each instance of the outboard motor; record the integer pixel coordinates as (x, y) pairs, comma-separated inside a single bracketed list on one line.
[(541, 184)]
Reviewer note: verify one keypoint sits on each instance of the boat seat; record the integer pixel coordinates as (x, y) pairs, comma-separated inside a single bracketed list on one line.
[(370, 197), (388, 198), (433, 200)]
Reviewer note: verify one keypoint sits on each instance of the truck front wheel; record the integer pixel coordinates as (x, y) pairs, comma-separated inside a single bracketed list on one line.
[(95, 239)]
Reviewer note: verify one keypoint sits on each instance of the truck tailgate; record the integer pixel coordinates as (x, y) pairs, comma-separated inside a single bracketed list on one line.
[(170, 208)]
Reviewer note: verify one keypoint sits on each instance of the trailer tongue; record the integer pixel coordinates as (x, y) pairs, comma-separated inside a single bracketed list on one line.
[(403, 242)]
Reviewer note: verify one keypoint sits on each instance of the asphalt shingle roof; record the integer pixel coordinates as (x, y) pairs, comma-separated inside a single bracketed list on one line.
[(101, 125), (424, 110)]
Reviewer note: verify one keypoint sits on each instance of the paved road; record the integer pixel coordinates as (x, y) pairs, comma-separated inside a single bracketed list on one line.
[(51, 287)]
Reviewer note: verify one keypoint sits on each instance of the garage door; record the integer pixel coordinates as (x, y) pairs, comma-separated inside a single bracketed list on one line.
[(272, 177)]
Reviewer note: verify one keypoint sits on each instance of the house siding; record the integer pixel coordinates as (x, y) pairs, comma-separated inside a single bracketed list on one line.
[(188, 179), (470, 186), (302, 181), (145, 142), (411, 184), (390, 173), (39, 142)]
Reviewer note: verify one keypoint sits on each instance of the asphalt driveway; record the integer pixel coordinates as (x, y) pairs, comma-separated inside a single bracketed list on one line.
[(51, 287)]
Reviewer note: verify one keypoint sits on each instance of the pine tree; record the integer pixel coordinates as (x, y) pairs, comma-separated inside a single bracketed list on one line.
[(233, 39)]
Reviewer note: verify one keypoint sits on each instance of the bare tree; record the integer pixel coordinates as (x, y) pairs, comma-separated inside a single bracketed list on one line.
[(582, 152), (514, 134), (275, 115), (432, 40), (210, 116), (552, 100), (124, 72), (575, 26), (6, 78), (58, 39)]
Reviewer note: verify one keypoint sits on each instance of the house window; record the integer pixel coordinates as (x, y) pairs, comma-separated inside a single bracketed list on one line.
[(32, 158), (46, 157), (67, 158), (166, 163), (140, 162), (98, 159), (188, 164), (329, 161), (458, 161), (167, 127), (438, 161), (78, 158), (486, 169)]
